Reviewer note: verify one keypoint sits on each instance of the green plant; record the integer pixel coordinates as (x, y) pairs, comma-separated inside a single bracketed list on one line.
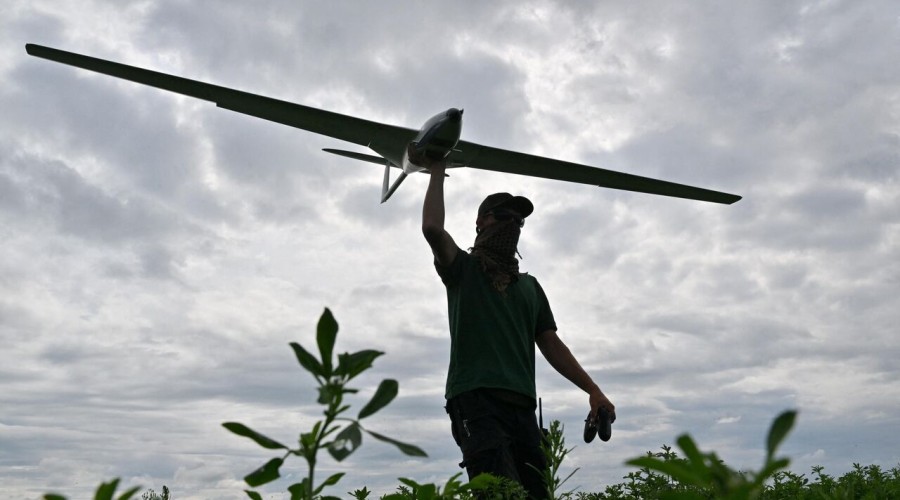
[(647, 483), (411, 490), (106, 491), (787, 485), (483, 487), (711, 477), (660, 475), (554, 448), (361, 494), (152, 495), (332, 379)]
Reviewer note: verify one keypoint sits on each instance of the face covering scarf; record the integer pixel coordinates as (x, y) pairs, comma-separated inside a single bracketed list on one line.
[(495, 248)]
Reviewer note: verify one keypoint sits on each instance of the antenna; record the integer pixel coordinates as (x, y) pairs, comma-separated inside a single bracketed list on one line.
[(540, 414), (544, 432)]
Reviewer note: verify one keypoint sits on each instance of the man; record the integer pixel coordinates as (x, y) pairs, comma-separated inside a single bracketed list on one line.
[(497, 315)]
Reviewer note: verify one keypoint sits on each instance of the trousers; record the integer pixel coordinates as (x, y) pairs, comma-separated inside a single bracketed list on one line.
[(500, 435)]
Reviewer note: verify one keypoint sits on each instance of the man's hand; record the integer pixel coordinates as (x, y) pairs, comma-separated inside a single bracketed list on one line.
[(560, 357), (598, 399), (434, 166)]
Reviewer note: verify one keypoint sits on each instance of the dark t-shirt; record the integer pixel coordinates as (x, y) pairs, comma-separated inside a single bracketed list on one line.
[(492, 335)]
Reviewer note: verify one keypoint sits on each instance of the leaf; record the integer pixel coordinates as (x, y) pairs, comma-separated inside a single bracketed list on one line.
[(346, 442), (254, 495), (308, 440), (326, 334), (308, 361), (453, 488), (691, 452), (676, 470), (779, 430), (351, 365), (243, 430), (265, 474), (53, 496), (106, 490), (298, 490), (331, 481), (385, 393), (329, 431), (770, 468), (326, 393), (427, 491), (483, 481), (409, 482), (361, 494), (407, 449)]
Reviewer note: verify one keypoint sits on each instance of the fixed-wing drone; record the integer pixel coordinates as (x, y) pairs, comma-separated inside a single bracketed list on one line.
[(406, 149)]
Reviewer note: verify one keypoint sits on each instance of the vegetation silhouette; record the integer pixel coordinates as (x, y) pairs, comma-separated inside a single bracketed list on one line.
[(660, 475), (332, 377)]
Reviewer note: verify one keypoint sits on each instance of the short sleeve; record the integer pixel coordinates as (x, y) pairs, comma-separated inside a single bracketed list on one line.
[(544, 319), (451, 274)]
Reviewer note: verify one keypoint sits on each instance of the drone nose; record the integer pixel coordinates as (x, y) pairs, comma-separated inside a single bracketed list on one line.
[(454, 114)]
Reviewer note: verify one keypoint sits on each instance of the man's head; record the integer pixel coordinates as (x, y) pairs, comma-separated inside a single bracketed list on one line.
[(499, 223), (502, 207)]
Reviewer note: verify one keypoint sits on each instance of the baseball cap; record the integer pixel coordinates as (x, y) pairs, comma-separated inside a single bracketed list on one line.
[(494, 201)]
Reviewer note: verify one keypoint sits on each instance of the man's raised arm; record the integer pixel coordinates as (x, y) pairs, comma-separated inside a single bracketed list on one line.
[(442, 245)]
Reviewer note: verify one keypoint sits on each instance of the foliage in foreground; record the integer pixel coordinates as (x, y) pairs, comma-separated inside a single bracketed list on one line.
[(662, 475), (332, 377), (701, 475), (863, 482), (869, 482)]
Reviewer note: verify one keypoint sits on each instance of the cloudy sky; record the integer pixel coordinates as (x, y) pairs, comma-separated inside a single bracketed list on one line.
[(158, 254)]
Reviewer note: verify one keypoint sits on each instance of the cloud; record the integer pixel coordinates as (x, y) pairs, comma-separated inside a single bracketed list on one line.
[(160, 253)]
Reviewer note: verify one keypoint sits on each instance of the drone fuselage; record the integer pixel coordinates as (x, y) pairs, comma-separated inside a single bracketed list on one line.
[(435, 140)]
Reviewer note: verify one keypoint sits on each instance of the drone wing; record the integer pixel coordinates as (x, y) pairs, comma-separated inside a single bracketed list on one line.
[(389, 138), (500, 160)]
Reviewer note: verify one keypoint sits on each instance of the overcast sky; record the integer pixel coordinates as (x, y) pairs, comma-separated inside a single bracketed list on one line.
[(158, 254)]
